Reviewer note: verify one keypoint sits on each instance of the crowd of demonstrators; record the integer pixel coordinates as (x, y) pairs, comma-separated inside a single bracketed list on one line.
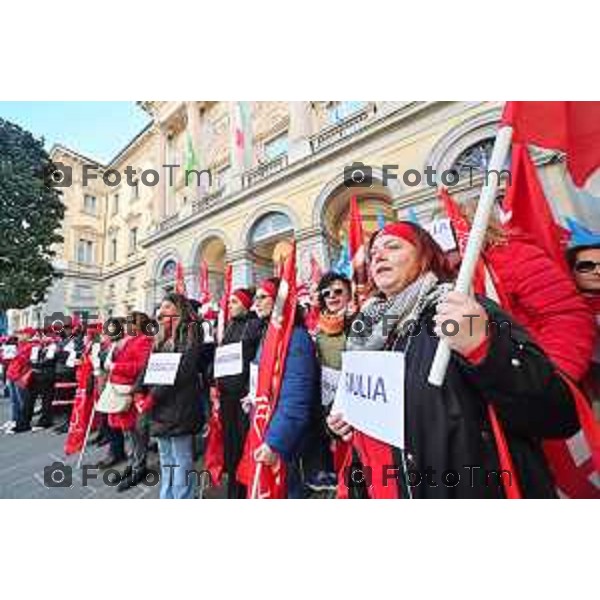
[(505, 394)]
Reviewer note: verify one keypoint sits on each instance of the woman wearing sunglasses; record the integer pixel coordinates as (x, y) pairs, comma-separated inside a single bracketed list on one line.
[(584, 260), (334, 297)]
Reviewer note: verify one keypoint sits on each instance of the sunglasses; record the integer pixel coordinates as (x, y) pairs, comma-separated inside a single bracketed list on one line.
[(332, 293), (586, 266)]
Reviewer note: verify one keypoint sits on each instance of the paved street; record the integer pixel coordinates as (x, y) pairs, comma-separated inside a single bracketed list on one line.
[(24, 456)]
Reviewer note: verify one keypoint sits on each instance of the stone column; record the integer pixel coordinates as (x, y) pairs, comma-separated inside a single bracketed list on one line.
[(242, 275), (300, 129)]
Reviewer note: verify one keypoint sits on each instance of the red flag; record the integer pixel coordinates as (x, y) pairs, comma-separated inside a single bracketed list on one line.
[(311, 318), (461, 229), (213, 458), (529, 210), (262, 481), (356, 241), (179, 280), (204, 288), (82, 409), (572, 127)]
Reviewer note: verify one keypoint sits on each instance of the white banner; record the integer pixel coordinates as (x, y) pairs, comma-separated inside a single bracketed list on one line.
[(162, 368), (370, 394), (329, 383), (35, 354), (228, 360)]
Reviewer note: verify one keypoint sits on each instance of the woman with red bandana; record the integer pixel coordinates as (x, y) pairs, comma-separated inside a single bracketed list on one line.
[(500, 397), (246, 329)]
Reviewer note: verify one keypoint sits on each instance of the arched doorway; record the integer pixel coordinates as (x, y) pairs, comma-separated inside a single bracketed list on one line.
[(374, 204), (270, 243)]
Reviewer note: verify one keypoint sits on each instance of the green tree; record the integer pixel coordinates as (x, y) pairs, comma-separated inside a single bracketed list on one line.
[(31, 212)]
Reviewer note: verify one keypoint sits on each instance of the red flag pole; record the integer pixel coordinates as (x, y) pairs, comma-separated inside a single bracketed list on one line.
[(474, 243)]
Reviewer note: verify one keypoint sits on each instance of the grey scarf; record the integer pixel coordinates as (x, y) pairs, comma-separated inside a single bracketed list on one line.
[(398, 310)]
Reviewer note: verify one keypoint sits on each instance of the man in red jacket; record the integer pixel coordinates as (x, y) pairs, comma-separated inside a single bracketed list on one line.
[(18, 376)]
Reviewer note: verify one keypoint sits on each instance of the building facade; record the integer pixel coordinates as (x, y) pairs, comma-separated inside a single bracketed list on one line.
[(277, 172)]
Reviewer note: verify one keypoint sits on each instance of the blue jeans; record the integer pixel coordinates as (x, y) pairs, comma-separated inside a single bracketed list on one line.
[(176, 463), (15, 402)]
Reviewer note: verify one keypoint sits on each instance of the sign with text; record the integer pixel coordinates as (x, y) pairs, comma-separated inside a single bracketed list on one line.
[(370, 394), (228, 360), (162, 368)]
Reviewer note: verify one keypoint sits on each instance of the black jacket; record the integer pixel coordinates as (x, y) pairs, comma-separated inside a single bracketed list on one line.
[(177, 409), (447, 428), (248, 329)]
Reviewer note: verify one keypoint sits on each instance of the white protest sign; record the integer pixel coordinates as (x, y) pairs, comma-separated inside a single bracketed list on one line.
[(162, 368), (10, 352), (253, 384), (95, 354), (370, 394), (70, 362), (329, 384), (441, 231), (228, 360)]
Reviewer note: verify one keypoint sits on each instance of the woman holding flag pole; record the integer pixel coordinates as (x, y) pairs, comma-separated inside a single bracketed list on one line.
[(500, 396), (286, 395)]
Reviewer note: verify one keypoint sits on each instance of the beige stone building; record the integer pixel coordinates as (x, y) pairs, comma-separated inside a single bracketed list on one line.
[(277, 172)]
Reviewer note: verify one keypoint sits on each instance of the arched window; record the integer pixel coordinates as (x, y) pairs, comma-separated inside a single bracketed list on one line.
[(271, 225), (476, 158)]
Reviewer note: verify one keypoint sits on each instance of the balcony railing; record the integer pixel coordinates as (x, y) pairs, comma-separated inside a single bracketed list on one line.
[(209, 200), (168, 222), (265, 170), (335, 133)]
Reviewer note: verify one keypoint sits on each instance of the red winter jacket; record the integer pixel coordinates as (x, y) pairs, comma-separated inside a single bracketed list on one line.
[(545, 301), (20, 364), (129, 362)]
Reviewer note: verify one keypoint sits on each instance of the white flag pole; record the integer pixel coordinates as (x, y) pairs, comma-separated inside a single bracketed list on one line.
[(87, 435), (475, 242)]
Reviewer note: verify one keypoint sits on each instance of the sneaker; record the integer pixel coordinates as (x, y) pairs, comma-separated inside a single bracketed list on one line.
[(7, 425)]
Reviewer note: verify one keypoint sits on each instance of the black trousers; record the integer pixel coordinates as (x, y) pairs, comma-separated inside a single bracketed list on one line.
[(235, 427)]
